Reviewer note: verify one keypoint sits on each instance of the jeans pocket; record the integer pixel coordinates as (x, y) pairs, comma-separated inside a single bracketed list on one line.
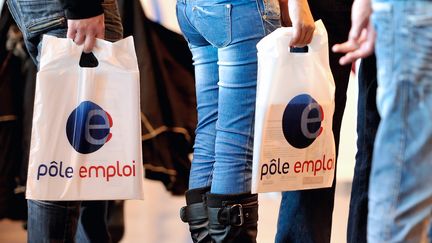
[(214, 23), (42, 25)]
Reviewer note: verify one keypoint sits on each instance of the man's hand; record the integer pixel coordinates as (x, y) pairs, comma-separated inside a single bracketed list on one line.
[(298, 13), (85, 31), (361, 40)]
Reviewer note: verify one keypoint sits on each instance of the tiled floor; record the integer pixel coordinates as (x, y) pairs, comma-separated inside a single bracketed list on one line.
[(155, 219)]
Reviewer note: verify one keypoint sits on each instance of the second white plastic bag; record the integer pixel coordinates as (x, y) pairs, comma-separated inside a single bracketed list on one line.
[(294, 148)]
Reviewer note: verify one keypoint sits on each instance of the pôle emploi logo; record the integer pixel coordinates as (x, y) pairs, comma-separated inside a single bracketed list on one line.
[(301, 121), (88, 127), (301, 126)]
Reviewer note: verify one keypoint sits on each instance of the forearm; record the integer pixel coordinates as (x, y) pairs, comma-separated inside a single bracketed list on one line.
[(296, 13), (285, 18), (82, 9)]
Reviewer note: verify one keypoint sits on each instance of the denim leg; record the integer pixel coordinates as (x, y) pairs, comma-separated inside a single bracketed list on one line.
[(367, 125), (301, 210), (92, 224), (53, 221), (50, 221), (237, 92), (206, 78), (206, 75), (400, 192)]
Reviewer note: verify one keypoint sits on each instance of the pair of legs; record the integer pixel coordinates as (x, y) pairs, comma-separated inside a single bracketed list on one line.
[(368, 120), (222, 37), (67, 221)]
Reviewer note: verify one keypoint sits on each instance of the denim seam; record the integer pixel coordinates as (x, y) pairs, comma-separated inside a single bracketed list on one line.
[(401, 159), (187, 19), (247, 154), (209, 178), (402, 143), (262, 12), (229, 27)]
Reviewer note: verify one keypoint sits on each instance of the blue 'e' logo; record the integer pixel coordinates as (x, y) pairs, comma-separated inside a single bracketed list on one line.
[(301, 121), (88, 127)]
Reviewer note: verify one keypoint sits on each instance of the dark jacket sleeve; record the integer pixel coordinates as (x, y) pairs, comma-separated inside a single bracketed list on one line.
[(82, 9)]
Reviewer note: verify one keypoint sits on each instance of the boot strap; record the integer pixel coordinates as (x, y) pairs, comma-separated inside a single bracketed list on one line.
[(196, 211), (238, 214)]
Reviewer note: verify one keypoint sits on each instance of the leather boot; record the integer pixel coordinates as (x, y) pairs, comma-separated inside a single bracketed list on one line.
[(195, 214), (233, 218)]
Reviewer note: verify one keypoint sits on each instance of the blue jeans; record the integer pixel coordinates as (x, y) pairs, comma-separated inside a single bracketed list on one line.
[(50, 221), (67, 221), (400, 196), (306, 216), (222, 37)]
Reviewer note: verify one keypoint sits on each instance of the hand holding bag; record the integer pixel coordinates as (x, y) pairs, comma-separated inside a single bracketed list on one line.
[(86, 142), (294, 148)]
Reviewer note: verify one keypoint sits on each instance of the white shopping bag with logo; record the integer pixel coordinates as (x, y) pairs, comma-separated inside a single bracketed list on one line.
[(85, 142), (294, 148)]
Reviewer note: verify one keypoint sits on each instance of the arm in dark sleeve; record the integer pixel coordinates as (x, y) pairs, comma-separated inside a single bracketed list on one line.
[(82, 9)]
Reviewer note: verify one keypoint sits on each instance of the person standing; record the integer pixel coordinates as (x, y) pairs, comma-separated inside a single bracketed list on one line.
[(222, 37), (400, 195), (83, 21), (306, 216)]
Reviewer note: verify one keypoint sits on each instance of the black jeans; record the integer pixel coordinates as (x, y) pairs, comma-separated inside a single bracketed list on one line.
[(367, 124)]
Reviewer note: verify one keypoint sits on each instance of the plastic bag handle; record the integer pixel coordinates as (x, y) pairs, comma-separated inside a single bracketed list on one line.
[(319, 35), (54, 48)]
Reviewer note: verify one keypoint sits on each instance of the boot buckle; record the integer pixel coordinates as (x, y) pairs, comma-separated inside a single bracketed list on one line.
[(240, 215)]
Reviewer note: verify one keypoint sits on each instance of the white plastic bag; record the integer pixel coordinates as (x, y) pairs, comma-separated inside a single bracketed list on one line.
[(294, 147), (85, 142)]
